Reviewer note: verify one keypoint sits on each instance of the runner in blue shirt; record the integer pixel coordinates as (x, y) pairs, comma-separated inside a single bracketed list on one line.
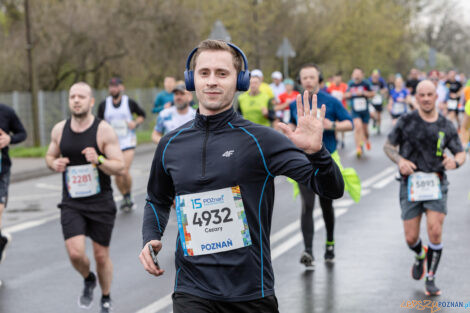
[(359, 91), (336, 118)]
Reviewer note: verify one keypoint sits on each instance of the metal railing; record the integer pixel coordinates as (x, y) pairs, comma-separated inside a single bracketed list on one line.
[(53, 107)]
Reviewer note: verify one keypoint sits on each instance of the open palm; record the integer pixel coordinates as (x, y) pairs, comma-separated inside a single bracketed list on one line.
[(309, 132)]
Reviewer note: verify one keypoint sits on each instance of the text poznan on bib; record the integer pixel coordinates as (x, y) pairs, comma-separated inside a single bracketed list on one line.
[(82, 180), (424, 187), (212, 222)]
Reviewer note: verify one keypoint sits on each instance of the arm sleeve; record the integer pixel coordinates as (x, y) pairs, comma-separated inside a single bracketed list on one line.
[(17, 128), (136, 109), (160, 195), (101, 108), (318, 171)]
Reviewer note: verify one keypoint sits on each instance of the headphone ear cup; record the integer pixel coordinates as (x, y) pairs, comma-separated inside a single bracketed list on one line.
[(189, 80), (243, 80)]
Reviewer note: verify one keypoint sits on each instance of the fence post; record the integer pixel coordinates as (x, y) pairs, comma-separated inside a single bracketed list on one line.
[(16, 102), (42, 122), (64, 103)]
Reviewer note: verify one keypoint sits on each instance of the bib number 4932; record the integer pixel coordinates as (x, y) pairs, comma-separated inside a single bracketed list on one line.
[(215, 216), (212, 221)]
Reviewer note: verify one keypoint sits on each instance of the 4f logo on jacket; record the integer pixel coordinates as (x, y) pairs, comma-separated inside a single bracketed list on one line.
[(228, 153)]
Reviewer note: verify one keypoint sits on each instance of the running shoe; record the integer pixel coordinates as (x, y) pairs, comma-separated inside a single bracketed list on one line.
[(86, 298), (431, 288), (368, 145), (5, 240), (307, 260), (358, 152), (418, 269), (106, 306), (330, 253), (126, 204)]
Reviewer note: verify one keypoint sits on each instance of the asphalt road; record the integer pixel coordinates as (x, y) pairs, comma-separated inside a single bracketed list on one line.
[(371, 272)]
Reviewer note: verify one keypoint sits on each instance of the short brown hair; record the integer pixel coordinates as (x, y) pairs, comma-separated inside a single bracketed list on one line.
[(218, 45)]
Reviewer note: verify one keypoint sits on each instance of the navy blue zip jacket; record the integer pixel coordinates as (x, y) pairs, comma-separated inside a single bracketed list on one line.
[(190, 160)]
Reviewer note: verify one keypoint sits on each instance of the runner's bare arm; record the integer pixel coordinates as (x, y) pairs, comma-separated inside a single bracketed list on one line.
[(108, 142), (53, 159), (392, 152), (406, 167), (451, 163), (156, 136)]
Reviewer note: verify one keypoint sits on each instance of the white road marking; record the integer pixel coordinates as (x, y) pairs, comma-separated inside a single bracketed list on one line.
[(371, 180), (161, 304), (166, 301), (284, 232), (30, 224), (294, 240), (343, 203), (384, 182), (49, 186)]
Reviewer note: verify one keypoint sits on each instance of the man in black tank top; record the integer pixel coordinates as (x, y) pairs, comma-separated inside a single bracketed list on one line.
[(86, 151)]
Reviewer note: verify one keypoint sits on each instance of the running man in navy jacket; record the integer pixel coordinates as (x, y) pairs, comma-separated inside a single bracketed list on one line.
[(220, 170)]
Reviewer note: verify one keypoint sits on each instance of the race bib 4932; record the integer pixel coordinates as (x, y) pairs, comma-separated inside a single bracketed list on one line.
[(212, 222)]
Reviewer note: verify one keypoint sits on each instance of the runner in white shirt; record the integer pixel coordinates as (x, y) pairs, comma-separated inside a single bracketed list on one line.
[(175, 116), (124, 115), (277, 85)]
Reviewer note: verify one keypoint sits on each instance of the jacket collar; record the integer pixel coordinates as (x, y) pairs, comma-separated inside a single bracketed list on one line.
[(217, 121)]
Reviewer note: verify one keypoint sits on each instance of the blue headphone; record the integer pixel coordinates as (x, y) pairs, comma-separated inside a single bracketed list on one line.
[(243, 79)]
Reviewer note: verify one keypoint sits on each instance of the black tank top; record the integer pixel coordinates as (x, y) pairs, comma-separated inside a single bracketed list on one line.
[(71, 146)]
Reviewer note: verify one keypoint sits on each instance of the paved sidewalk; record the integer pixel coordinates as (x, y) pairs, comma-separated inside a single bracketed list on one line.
[(28, 168)]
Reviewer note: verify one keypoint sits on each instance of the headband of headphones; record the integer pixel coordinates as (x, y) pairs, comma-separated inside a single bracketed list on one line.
[(243, 79)]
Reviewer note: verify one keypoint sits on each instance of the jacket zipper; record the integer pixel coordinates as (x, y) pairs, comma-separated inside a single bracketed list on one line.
[(204, 150)]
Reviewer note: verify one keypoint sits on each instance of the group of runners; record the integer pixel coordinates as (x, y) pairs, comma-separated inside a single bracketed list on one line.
[(223, 192)]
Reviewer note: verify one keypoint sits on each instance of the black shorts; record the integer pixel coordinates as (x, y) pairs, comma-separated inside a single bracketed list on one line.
[(97, 225), (4, 183), (184, 303), (378, 107)]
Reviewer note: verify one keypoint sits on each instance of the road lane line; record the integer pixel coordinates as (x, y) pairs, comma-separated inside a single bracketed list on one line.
[(368, 182), (297, 238), (158, 305), (34, 223), (30, 224), (49, 186), (287, 230), (164, 302), (384, 182)]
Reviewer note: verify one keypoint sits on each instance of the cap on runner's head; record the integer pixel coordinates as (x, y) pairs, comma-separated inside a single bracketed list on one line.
[(115, 81), (376, 71), (179, 87), (256, 73), (288, 81), (276, 75), (433, 72)]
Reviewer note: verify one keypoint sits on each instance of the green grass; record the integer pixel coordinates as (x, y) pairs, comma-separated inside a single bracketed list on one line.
[(28, 152), (143, 136)]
